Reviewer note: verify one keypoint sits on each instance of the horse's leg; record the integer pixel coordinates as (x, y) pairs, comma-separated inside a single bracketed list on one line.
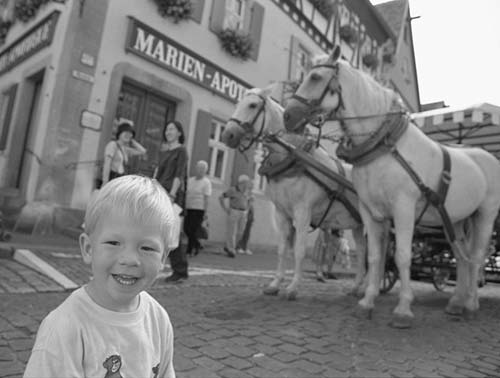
[(318, 256), (482, 228), (302, 219), (375, 232), (404, 216), (286, 236), (456, 303), (360, 240)]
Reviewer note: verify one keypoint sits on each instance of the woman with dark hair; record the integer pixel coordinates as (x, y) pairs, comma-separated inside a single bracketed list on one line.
[(172, 175), (117, 153)]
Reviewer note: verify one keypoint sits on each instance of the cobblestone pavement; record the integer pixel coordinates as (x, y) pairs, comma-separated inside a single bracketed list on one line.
[(225, 327)]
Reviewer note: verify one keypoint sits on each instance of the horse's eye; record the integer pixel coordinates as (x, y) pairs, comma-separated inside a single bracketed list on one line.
[(253, 105), (315, 77)]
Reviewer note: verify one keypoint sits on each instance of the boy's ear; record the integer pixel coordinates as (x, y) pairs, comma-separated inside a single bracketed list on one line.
[(166, 252), (86, 248)]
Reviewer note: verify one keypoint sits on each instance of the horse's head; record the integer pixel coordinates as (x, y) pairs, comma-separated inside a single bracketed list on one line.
[(255, 114), (318, 94)]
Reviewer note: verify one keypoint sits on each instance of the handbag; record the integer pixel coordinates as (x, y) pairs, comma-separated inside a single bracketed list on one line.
[(202, 232)]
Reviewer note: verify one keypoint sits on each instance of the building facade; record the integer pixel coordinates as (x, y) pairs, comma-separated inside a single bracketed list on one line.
[(71, 70)]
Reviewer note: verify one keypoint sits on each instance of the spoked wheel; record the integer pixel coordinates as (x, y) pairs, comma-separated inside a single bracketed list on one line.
[(389, 279), (440, 277), (390, 271)]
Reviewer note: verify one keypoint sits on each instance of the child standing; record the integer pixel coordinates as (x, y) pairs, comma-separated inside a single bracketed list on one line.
[(111, 325)]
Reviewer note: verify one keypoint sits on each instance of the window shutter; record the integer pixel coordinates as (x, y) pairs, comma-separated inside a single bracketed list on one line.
[(10, 97), (197, 13), (217, 15), (201, 136), (255, 29)]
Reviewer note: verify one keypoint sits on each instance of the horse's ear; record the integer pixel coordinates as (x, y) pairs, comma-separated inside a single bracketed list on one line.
[(268, 90), (334, 55)]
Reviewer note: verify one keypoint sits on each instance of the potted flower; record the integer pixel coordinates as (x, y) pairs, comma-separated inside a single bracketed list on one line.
[(25, 10), (325, 7), (4, 30), (370, 61), (236, 43), (348, 34), (176, 9)]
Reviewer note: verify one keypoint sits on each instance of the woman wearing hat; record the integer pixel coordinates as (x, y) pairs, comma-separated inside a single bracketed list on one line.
[(117, 153)]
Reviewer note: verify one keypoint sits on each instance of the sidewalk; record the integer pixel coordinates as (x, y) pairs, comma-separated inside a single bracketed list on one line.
[(63, 254)]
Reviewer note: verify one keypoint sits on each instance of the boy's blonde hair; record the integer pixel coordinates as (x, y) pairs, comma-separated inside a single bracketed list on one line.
[(141, 198)]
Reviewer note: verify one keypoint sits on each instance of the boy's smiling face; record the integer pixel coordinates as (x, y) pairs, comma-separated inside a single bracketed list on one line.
[(126, 256)]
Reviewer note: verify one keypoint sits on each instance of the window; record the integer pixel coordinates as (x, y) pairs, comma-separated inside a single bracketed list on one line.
[(235, 12), (259, 182), (302, 63), (218, 151)]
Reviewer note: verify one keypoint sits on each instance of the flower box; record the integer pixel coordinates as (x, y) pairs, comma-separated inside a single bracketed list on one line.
[(178, 10), (348, 34), (236, 43), (370, 61)]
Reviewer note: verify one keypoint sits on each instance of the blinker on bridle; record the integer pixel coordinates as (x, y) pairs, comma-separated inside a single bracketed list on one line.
[(314, 104), (248, 126)]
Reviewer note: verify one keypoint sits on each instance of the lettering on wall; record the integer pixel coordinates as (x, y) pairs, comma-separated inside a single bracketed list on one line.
[(159, 49), (38, 37)]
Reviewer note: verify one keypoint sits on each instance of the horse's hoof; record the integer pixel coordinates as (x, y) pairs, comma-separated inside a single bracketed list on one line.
[(401, 321), (470, 314), (291, 295), (271, 291), (453, 309), (363, 313)]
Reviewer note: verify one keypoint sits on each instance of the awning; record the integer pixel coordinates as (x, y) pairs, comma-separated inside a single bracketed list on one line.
[(477, 125)]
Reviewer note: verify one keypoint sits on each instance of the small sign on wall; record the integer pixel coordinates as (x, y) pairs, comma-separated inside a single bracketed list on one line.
[(91, 120)]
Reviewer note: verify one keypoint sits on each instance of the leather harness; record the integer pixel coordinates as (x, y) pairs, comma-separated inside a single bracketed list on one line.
[(384, 141), (298, 160)]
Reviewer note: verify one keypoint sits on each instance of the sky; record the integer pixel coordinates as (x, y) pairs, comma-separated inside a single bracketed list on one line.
[(457, 50)]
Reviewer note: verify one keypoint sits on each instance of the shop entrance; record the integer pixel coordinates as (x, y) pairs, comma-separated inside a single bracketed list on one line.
[(149, 111)]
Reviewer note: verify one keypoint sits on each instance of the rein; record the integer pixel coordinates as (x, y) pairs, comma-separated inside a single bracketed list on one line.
[(248, 126)]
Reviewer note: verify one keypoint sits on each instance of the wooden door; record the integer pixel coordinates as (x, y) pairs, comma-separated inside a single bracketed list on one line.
[(149, 112)]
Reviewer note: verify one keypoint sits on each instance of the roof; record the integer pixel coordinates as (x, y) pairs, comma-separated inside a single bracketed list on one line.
[(394, 13), (476, 125)]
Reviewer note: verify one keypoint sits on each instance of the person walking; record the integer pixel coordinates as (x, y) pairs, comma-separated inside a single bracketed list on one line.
[(118, 152), (199, 190), (242, 246), (172, 175), (237, 211)]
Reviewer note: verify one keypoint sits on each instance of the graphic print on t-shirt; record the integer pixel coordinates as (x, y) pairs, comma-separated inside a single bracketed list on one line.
[(112, 365)]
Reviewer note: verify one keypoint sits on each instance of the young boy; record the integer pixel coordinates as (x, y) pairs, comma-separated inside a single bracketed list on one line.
[(111, 327)]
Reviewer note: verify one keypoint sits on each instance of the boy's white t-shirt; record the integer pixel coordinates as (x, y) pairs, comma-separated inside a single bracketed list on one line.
[(82, 339), (196, 191)]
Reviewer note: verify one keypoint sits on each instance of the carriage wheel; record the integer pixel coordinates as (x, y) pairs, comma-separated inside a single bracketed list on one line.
[(391, 271), (440, 277), (389, 279)]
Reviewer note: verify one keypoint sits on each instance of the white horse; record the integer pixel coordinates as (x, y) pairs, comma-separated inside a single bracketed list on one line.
[(299, 199), (380, 140)]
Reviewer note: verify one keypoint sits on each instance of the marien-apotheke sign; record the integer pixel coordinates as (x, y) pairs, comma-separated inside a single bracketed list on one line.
[(157, 48), (38, 37)]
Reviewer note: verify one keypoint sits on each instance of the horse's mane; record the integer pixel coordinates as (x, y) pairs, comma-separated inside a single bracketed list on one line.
[(362, 84)]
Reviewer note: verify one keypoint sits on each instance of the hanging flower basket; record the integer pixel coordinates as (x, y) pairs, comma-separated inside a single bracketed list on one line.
[(177, 9), (370, 61), (25, 10), (236, 43), (348, 34), (388, 58), (4, 30), (325, 7)]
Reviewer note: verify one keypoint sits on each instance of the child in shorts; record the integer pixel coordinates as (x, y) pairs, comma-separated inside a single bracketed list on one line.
[(111, 326)]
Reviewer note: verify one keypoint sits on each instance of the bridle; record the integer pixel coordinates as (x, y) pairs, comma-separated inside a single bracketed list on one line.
[(317, 118), (248, 126)]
